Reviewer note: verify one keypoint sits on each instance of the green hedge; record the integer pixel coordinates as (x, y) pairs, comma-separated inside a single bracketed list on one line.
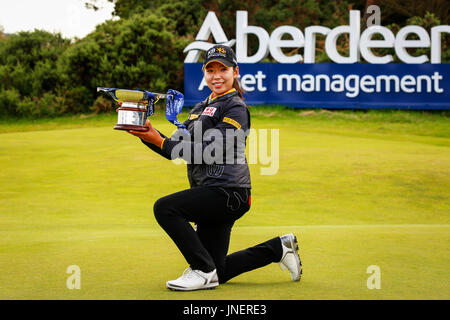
[(42, 74)]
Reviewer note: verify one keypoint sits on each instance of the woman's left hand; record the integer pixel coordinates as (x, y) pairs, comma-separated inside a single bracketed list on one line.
[(151, 136)]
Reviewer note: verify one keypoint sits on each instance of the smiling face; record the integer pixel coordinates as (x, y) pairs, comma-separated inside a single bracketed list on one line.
[(219, 78)]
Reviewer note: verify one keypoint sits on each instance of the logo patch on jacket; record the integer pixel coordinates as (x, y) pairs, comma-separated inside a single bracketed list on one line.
[(209, 111), (193, 116), (232, 122)]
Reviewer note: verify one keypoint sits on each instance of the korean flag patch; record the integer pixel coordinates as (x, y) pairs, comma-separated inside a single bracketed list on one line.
[(209, 111)]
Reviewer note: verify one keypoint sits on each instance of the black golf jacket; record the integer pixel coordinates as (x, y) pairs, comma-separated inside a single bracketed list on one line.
[(215, 149)]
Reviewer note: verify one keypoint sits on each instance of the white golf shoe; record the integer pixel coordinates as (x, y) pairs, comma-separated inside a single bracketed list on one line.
[(290, 259), (194, 280)]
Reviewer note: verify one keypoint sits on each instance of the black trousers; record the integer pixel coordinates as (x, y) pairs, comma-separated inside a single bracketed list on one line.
[(214, 210)]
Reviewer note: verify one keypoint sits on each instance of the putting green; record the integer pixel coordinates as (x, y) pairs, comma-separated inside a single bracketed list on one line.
[(355, 196)]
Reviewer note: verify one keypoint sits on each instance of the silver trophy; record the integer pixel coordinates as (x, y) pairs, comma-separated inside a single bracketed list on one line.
[(135, 106)]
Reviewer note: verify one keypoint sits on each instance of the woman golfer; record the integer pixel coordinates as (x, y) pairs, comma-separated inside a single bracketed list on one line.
[(219, 191)]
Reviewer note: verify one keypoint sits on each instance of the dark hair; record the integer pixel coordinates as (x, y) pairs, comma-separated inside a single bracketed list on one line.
[(238, 88)]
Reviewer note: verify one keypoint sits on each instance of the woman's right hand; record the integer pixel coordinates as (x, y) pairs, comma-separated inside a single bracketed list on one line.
[(151, 136)]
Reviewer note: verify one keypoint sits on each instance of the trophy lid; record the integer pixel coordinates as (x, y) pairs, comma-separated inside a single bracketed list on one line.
[(130, 95)]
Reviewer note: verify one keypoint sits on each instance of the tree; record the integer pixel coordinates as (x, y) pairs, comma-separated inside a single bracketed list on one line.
[(28, 61), (28, 73), (140, 52), (95, 4), (3, 35), (399, 12), (124, 8)]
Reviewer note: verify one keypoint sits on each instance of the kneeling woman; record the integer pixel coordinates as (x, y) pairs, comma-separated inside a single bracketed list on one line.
[(219, 192)]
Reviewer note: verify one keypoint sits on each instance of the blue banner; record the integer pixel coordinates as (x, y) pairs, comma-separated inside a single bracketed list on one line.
[(330, 85)]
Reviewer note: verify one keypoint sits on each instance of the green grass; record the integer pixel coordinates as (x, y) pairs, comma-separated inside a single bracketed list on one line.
[(358, 189)]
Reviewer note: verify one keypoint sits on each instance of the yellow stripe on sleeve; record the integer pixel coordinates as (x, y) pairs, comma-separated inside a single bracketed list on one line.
[(232, 122)]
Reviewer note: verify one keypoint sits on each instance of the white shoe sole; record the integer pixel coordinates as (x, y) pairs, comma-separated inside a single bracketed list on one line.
[(208, 286)]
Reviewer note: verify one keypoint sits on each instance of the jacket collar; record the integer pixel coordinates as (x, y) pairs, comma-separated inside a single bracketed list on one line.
[(230, 93)]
